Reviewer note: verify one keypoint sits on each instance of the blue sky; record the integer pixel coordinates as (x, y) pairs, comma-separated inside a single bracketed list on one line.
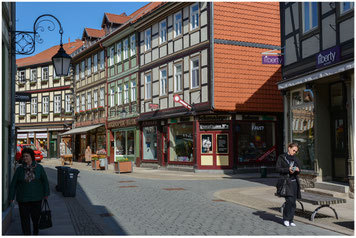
[(74, 16)]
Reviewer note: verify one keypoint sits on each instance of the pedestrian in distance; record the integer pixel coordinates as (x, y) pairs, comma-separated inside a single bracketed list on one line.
[(30, 185), (288, 166), (88, 155)]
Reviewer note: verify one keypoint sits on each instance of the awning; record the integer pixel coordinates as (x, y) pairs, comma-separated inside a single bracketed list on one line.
[(82, 129), (317, 75)]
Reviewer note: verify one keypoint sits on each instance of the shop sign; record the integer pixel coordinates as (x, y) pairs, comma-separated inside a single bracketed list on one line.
[(153, 106), (31, 135), (328, 57), (214, 127), (257, 128), (269, 59), (222, 144), (214, 118), (21, 136), (41, 135), (122, 123), (22, 97), (172, 120), (250, 117)]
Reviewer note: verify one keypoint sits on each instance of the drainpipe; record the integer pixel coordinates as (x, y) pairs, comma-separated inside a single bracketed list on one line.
[(212, 55)]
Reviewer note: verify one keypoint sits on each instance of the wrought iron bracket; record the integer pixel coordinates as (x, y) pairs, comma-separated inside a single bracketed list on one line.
[(25, 41)]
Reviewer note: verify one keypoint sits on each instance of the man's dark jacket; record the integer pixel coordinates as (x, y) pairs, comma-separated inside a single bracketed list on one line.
[(282, 167)]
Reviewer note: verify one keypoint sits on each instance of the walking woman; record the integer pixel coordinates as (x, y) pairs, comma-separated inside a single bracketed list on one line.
[(289, 167), (30, 184)]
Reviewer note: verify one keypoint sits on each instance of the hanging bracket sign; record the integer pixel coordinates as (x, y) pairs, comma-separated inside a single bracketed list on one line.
[(271, 59), (179, 100), (22, 97)]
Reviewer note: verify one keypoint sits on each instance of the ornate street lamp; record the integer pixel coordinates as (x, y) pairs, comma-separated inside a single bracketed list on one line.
[(26, 43)]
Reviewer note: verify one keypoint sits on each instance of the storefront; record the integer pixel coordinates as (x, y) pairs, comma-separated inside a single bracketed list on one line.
[(149, 135), (181, 143)]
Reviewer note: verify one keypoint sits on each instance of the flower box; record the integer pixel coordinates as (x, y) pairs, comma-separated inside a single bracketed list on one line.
[(123, 166), (67, 79), (101, 108), (88, 111), (56, 114), (94, 109), (82, 112), (44, 81), (68, 113), (44, 115), (33, 83), (95, 164), (55, 80), (21, 84), (33, 116), (22, 117)]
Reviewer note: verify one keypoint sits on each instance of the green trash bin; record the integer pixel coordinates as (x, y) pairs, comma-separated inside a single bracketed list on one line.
[(263, 171), (70, 182)]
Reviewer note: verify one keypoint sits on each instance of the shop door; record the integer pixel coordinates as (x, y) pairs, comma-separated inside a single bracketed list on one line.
[(53, 149), (215, 150)]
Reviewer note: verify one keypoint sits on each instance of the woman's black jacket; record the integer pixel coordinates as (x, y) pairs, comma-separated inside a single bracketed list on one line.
[(282, 167)]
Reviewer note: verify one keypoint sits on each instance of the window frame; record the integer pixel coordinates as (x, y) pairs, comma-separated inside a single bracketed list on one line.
[(341, 12), (89, 66), (78, 103), (95, 99), (67, 104), (174, 25), (146, 96), (148, 38), (161, 93), (112, 97), (43, 70), (118, 52), (312, 31), (31, 75), (22, 79), (126, 49), (133, 91), (89, 101), (82, 69), (59, 103), (95, 63), (77, 72), (190, 17), (45, 105), (102, 97), (23, 111), (34, 106), (161, 35), (174, 77), (102, 60), (191, 72), (132, 45), (111, 56), (119, 95), (126, 93), (83, 102)]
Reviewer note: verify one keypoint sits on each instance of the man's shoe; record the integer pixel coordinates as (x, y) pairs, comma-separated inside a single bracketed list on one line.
[(286, 223), (292, 224)]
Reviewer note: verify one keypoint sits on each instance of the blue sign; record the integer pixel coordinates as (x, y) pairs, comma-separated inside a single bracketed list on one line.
[(268, 59), (328, 57)]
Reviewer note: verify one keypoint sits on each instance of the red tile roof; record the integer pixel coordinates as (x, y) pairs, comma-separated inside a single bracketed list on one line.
[(94, 32), (145, 10), (46, 55), (118, 19)]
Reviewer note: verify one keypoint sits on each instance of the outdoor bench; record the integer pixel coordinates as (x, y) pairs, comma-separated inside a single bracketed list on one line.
[(320, 200)]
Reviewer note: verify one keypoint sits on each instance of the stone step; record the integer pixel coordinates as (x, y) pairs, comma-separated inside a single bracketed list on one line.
[(335, 187), (326, 192)]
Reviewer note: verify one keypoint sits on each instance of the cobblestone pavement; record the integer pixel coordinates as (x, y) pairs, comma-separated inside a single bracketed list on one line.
[(122, 204)]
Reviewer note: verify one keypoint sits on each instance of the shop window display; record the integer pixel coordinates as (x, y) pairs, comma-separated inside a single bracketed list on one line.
[(125, 144), (181, 143), (256, 143), (150, 143), (101, 142), (206, 142)]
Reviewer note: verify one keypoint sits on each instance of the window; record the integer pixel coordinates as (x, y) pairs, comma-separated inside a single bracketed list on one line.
[(126, 48), (95, 98), (45, 73), (346, 7), (133, 91), (102, 60), (133, 45), (95, 63), (89, 66), (163, 82), (45, 105), (310, 16), (22, 108), (77, 72), (33, 106), (112, 97), (102, 95), (126, 93), (111, 59), (148, 39), (148, 86), (118, 46), (78, 104), (33, 75), (83, 102), (195, 76), (177, 24), (82, 70), (89, 100), (162, 31), (178, 78), (149, 143), (181, 142), (57, 104), (119, 95), (54, 74), (22, 76), (67, 103), (194, 16)]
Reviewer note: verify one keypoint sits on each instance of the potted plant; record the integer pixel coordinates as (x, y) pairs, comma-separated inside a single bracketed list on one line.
[(95, 163), (101, 154), (123, 165)]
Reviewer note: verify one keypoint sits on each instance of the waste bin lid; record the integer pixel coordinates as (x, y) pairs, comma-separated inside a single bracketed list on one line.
[(73, 171), (62, 167)]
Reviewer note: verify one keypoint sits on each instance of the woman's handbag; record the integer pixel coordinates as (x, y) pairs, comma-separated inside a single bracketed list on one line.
[(45, 216), (282, 187)]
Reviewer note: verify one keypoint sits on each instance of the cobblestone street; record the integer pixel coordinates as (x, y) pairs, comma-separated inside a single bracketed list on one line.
[(122, 204)]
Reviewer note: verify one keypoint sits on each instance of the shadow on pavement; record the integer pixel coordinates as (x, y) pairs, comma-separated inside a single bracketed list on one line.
[(347, 224), (87, 218), (268, 217)]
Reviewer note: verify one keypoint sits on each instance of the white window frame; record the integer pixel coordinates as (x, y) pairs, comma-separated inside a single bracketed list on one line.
[(163, 82), (82, 70), (33, 75), (310, 15), (67, 103), (89, 66), (194, 17), (22, 76), (133, 91), (126, 93), (77, 72), (111, 56), (132, 45), (95, 99), (102, 97), (112, 96), (118, 52), (83, 102), (148, 43), (178, 85), (177, 24), (102, 60), (22, 108), (34, 106), (45, 75), (57, 103), (342, 11), (126, 48), (163, 32), (95, 63), (148, 86), (45, 105), (193, 70), (78, 104), (89, 100), (119, 95)]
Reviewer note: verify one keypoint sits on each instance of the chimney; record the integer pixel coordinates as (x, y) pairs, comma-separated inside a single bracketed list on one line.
[(68, 41)]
